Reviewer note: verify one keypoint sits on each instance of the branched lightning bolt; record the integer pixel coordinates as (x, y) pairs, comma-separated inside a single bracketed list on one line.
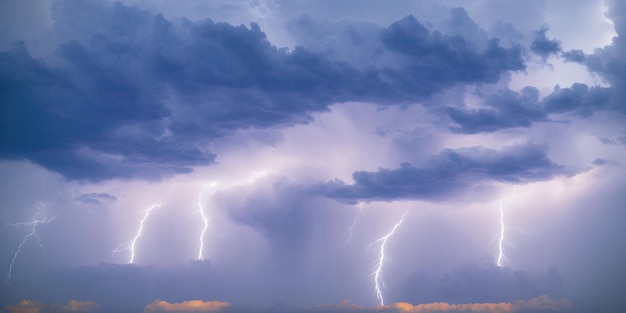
[(348, 233), (140, 232), (378, 282), (130, 246), (205, 219), (39, 218), (501, 256)]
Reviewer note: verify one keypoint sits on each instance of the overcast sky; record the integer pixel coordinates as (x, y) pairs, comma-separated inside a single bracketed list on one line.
[(312, 156)]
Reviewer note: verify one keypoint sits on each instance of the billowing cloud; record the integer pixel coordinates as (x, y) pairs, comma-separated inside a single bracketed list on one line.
[(509, 109), (138, 95), (186, 306), (29, 306), (449, 172), (543, 46), (435, 60)]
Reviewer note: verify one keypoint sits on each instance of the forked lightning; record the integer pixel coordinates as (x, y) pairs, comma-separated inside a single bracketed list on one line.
[(131, 246), (378, 282), (38, 219)]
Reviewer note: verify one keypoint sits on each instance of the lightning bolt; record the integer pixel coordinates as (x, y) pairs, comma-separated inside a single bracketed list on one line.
[(203, 214), (378, 282), (348, 233), (140, 232), (205, 219), (501, 241), (130, 246), (38, 218)]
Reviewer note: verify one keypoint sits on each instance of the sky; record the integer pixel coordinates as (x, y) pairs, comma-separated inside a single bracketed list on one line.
[(312, 156)]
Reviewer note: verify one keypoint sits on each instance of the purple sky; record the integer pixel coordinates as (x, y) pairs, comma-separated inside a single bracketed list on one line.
[(259, 156)]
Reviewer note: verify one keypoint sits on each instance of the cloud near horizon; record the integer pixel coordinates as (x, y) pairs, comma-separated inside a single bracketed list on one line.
[(186, 306), (539, 304), (29, 306)]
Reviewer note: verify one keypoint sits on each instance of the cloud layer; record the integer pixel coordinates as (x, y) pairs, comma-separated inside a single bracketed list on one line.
[(449, 172), (137, 95)]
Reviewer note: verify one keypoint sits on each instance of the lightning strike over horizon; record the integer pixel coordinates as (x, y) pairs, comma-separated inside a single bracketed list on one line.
[(501, 256), (205, 220), (378, 283), (140, 232), (130, 246), (38, 218)]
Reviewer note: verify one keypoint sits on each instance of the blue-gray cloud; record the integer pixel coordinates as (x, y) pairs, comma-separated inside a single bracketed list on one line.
[(436, 61), (543, 46), (138, 95), (509, 109), (449, 172)]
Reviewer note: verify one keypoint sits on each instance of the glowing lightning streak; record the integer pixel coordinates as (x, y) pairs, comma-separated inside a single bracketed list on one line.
[(377, 279), (501, 241), (348, 233), (139, 233), (205, 219), (37, 219)]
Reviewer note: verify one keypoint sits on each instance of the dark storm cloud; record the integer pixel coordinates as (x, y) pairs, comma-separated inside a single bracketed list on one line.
[(449, 172), (506, 109), (84, 125), (137, 95), (436, 61), (543, 46), (509, 109)]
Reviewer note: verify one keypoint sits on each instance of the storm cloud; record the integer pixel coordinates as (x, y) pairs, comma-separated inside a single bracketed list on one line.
[(449, 172), (135, 94)]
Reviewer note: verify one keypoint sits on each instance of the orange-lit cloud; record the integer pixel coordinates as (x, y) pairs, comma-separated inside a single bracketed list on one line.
[(30, 306), (536, 304), (187, 306), (447, 307)]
